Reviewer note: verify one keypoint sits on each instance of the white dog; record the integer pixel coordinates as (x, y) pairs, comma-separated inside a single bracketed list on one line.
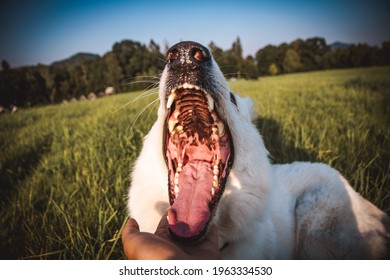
[(205, 161)]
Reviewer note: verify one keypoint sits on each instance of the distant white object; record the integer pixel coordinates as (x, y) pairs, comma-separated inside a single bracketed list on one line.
[(14, 109), (91, 96), (109, 91)]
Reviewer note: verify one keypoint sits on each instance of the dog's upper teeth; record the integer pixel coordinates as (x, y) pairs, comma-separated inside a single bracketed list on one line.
[(221, 128), (186, 85), (171, 125), (210, 101), (171, 98), (214, 116)]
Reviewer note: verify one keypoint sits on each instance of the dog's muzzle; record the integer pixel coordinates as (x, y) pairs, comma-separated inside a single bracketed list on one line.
[(198, 148)]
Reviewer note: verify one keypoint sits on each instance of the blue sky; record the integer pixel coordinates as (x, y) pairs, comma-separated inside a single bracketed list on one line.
[(43, 31)]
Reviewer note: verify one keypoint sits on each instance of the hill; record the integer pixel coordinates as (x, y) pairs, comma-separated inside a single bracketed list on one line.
[(76, 59), (339, 45)]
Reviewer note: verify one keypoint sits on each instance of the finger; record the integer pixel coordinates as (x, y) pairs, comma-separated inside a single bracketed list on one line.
[(162, 228), (131, 227), (130, 230)]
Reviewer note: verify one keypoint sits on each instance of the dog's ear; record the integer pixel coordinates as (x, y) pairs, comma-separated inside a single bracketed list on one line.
[(233, 99), (244, 106)]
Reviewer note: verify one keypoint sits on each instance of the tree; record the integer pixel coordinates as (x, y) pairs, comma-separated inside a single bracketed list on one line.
[(292, 62), (273, 69), (249, 68), (5, 65), (270, 55), (114, 75), (237, 54)]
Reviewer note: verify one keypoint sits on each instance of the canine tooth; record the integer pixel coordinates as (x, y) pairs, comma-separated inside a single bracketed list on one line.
[(215, 130), (171, 98), (176, 189), (210, 101), (221, 128), (212, 191), (214, 116)]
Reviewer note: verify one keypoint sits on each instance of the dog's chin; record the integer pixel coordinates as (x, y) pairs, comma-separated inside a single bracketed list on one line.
[(198, 151)]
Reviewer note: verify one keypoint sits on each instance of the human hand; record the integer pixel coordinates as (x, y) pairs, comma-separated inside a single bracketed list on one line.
[(161, 246)]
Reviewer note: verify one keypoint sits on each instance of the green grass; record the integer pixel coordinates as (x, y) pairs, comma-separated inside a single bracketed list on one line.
[(65, 168)]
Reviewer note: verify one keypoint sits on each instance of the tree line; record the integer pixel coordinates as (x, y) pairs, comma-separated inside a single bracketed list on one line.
[(131, 65)]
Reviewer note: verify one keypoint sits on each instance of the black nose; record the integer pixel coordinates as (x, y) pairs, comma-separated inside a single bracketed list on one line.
[(187, 53)]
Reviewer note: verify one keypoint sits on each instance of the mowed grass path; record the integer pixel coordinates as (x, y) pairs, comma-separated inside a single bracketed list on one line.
[(65, 168)]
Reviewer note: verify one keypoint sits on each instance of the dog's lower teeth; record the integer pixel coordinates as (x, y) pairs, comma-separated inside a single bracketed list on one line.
[(215, 170), (212, 191), (176, 180), (176, 189)]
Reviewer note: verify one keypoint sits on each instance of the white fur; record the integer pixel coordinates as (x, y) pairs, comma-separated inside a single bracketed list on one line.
[(298, 210)]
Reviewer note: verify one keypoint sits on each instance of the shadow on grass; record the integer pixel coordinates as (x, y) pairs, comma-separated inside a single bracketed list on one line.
[(20, 166), (281, 151), (14, 171)]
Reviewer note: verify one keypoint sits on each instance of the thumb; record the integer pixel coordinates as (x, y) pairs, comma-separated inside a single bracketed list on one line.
[(130, 228)]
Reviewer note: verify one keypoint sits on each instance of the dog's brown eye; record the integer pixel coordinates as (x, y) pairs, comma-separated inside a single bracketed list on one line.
[(172, 56)]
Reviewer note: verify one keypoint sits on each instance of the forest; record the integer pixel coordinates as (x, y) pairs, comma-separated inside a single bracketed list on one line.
[(131, 65)]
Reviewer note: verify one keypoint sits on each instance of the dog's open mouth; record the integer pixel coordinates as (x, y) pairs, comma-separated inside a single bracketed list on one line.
[(199, 154)]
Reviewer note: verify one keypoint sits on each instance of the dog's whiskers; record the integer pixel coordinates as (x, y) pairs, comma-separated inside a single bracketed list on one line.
[(139, 113), (150, 90)]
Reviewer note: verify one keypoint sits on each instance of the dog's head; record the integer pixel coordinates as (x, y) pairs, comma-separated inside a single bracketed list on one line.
[(201, 134)]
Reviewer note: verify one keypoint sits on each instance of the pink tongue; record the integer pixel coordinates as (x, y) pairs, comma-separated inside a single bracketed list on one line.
[(190, 212)]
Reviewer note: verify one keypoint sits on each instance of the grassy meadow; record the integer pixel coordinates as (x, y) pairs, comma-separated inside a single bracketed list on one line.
[(65, 168)]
